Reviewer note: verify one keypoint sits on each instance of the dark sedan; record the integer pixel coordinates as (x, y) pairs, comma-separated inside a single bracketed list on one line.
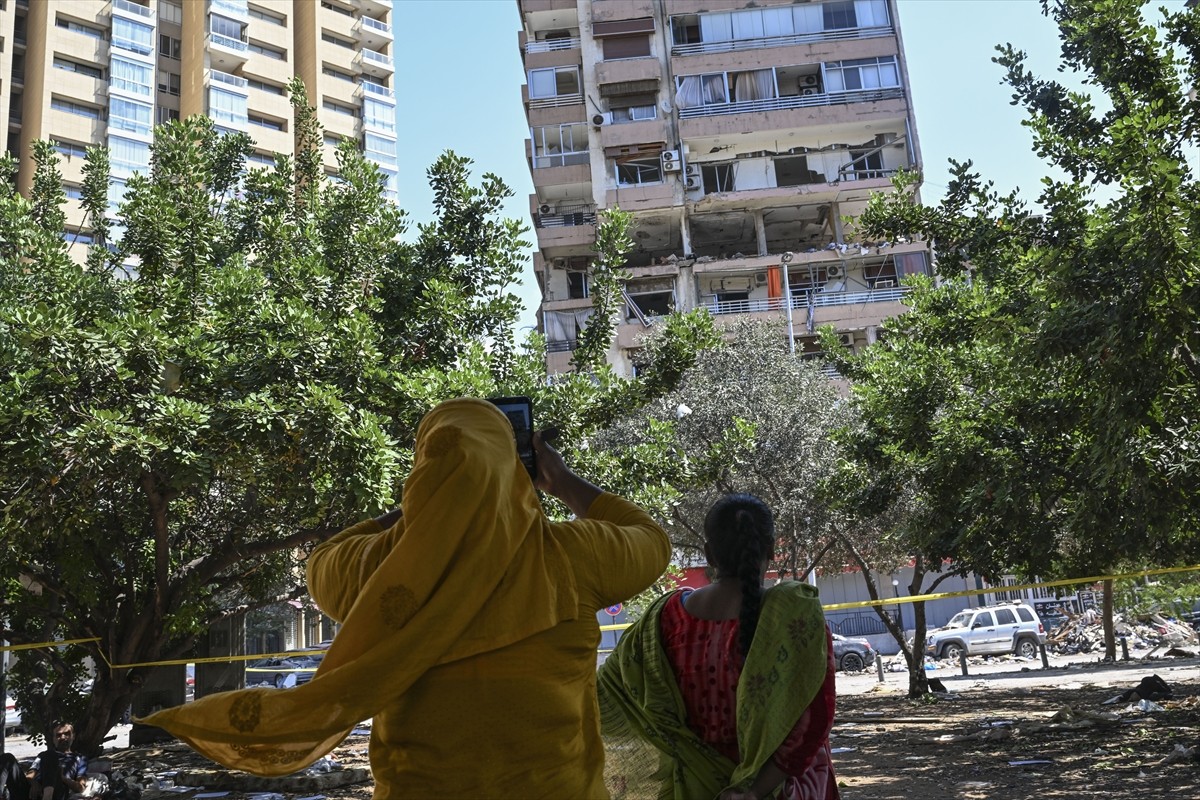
[(852, 655)]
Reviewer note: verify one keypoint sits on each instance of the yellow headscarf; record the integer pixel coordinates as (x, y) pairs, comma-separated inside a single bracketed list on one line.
[(474, 570)]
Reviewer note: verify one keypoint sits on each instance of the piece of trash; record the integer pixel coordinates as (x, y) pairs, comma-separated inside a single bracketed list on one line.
[(203, 795), (265, 796), (1028, 762), (1146, 705), (834, 750), (182, 789), (1180, 753)]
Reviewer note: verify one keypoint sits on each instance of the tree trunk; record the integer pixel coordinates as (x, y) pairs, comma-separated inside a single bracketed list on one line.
[(1110, 638)]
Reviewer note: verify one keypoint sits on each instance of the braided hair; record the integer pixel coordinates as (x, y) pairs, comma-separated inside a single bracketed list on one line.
[(740, 532)]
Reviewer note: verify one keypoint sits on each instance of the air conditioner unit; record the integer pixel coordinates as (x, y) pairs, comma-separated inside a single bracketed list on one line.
[(847, 339), (809, 91), (559, 263), (809, 80), (545, 209), (760, 279), (670, 160), (692, 183), (599, 120), (692, 170), (835, 271), (886, 284)]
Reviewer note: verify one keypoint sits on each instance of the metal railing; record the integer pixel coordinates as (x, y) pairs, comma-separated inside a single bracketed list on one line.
[(564, 346), (229, 42), (858, 623), (801, 301), (133, 8), (792, 101), (226, 78), (780, 41), (551, 45), (567, 216), (556, 101)]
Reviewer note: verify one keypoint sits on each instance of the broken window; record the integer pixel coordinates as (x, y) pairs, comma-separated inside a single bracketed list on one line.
[(794, 171), (637, 172), (560, 145), (651, 304), (577, 285), (717, 178), (866, 164), (882, 275)]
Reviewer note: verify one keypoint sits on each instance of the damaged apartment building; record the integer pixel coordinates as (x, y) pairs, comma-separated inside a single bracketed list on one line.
[(742, 136)]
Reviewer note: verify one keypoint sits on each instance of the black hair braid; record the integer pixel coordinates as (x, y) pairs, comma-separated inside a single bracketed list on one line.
[(750, 577), (740, 532)]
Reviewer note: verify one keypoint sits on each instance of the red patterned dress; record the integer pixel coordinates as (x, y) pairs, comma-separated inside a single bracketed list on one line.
[(705, 658)]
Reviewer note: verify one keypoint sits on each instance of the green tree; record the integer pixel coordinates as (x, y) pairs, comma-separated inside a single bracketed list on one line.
[(174, 440), (1041, 398)]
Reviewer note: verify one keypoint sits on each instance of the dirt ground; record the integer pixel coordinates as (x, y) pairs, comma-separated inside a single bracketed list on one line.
[(994, 743)]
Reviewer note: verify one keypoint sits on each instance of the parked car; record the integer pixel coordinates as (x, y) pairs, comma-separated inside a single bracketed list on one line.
[(852, 655), (277, 671), (1003, 628), (12, 715)]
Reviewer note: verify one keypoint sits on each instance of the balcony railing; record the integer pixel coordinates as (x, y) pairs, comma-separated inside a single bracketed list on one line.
[(780, 41), (375, 25), (552, 45), (800, 301), (136, 9), (556, 101), (377, 58), (561, 160), (229, 42), (567, 217), (376, 89), (226, 78), (564, 346), (791, 101)]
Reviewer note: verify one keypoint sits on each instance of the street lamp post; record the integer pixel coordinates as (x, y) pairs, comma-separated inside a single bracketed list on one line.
[(899, 609)]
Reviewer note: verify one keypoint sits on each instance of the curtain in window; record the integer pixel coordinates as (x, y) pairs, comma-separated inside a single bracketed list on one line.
[(758, 84), (380, 116), (716, 27), (131, 76), (127, 156), (132, 35), (834, 80), (714, 89), (129, 115), (690, 92), (565, 326), (226, 107)]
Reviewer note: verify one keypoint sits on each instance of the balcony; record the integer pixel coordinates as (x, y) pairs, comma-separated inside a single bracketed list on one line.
[(372, 32), (375, 6), (374, 63), (229, 82), (556, 101), (565, 216), (226, 47), (801, 301), (375, 90), (136, 10), (793, 101), (734, 45), (553, 45)]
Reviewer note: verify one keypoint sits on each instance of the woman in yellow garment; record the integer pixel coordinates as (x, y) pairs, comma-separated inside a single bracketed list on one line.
[(469, 630)]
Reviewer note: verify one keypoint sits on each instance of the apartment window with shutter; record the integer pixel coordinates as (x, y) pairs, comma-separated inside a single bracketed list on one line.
[(635, 46)]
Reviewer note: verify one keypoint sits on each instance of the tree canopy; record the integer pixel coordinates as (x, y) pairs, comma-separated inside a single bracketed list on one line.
[(1040, 396)]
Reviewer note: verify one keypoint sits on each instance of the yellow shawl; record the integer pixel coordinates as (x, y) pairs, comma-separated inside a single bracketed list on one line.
[(473, 570)]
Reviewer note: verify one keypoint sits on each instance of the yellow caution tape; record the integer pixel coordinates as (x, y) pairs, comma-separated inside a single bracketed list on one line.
[(889, 601)]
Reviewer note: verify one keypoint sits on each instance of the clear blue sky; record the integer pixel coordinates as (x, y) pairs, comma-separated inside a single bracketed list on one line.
[(459, 76)]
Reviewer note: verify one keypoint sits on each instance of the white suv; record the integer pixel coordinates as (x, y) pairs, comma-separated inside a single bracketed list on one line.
[(1004, 628)]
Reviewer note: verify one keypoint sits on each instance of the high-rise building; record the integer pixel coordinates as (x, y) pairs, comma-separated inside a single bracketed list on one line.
[(742, 136), (84, 72)]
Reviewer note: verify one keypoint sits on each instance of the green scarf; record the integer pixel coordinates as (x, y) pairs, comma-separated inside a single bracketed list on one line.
[(640, 702)]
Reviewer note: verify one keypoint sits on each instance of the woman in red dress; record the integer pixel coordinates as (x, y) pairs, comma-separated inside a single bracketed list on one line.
[(732, 683)]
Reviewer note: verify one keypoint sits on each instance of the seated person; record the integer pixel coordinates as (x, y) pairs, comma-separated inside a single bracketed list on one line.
[(14, 782), (59, 773)]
